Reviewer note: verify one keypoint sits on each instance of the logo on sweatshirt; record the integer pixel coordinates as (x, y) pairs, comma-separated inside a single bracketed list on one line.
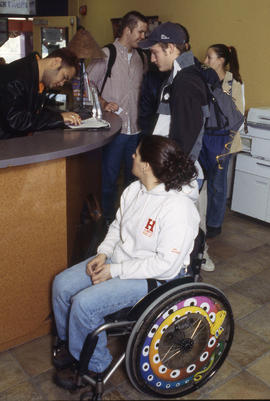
[(149, 228)]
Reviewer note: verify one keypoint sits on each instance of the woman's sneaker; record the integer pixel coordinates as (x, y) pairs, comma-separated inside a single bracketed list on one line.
[(208, 265)]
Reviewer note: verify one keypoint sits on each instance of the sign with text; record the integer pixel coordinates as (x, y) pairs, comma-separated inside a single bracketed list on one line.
[(22, 7)]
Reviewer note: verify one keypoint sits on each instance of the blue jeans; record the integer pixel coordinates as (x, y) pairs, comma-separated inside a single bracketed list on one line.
[(120, 149), (79, 308), (217, 194)]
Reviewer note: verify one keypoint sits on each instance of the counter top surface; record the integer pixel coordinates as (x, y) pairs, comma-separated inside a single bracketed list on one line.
[(55, 144)]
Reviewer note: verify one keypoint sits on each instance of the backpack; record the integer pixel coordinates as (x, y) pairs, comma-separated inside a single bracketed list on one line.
[(221, 125), (111, 62)]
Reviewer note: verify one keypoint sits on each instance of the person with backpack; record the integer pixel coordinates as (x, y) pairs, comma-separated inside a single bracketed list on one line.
[(118, 79), (183, 106), (223, 59), (183, 102)]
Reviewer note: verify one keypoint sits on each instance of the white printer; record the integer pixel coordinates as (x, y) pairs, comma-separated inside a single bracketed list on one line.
[(251, 190)]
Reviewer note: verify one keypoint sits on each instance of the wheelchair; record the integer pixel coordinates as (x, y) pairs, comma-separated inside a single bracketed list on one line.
[(179, 335)]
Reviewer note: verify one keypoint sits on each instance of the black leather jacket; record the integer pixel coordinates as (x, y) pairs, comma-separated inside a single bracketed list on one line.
[(22, 107)]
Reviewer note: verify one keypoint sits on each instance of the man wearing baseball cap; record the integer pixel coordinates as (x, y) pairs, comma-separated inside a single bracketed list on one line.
[(183, 105)]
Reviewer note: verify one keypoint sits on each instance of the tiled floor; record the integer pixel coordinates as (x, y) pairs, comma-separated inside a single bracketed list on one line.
[(242, 257)]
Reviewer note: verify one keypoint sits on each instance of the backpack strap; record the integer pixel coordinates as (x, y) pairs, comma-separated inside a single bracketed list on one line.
[(230, 86), (112, 58), (211, 83)]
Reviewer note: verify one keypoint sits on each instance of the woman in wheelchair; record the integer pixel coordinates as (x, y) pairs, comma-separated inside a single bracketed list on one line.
[(151, 237)]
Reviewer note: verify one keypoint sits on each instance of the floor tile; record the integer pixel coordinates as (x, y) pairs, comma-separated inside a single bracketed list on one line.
[(257, 288), (222, 374), (130, 393), (260, 232), (195, 395), (262, 253), (23, 392), (241, 242), (241, 387), (52, 392), (230, 272), (246, 347), (247, 260), (241, 305), (35, 356), (11, 373), (241, 222), (258, 323), (212, 278), (113, 396), (261, 368)]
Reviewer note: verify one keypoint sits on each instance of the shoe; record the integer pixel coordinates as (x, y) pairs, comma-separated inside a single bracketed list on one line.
[(209, 265), (62, 358), (212, 231), (70, 379)]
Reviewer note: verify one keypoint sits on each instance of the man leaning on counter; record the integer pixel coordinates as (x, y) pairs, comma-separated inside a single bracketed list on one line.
[(23, 97)]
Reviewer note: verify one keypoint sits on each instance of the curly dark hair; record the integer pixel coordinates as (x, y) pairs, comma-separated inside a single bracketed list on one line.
[(169, 164)]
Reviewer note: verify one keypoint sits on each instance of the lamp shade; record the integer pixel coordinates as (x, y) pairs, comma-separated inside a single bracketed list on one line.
[(85, 46)]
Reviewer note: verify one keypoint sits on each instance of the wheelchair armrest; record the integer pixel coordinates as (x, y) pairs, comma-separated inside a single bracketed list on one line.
[(141, 305)]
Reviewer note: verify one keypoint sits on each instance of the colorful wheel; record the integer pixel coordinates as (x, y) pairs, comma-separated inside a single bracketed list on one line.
[(180, 340)]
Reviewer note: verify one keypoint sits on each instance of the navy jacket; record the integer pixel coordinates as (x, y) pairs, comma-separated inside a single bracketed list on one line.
[(149, 99), (187, 100), (184, 98)]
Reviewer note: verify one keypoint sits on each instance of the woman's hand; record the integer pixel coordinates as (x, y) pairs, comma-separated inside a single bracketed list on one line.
[(95, 263), (102, 273), (71, 118)]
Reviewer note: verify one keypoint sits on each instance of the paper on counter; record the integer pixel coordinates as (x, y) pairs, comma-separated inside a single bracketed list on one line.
[(91, 123)]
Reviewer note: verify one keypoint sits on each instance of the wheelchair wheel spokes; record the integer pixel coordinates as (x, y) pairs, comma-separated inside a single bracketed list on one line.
[(179, 343), (183, 341)]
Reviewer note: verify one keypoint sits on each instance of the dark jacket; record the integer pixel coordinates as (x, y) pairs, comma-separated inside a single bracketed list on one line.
[(22, 108), (187, 100), (184, 97), (149, 99)]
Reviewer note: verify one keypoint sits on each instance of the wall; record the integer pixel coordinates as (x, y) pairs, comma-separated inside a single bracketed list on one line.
[(241, 23)]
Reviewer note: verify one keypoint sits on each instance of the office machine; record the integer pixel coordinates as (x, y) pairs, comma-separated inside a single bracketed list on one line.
[(251, 190)]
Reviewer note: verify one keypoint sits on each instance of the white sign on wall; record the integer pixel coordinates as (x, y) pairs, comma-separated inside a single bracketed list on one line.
[(23, 7)]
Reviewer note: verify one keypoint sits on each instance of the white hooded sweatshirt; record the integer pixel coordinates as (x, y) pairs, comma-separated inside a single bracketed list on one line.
[(153, 233)]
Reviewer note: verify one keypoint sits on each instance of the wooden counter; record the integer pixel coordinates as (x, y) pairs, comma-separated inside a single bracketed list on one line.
[(44, 180)]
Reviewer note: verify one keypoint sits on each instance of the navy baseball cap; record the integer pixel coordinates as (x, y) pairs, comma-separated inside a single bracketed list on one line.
[(168, 32)]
